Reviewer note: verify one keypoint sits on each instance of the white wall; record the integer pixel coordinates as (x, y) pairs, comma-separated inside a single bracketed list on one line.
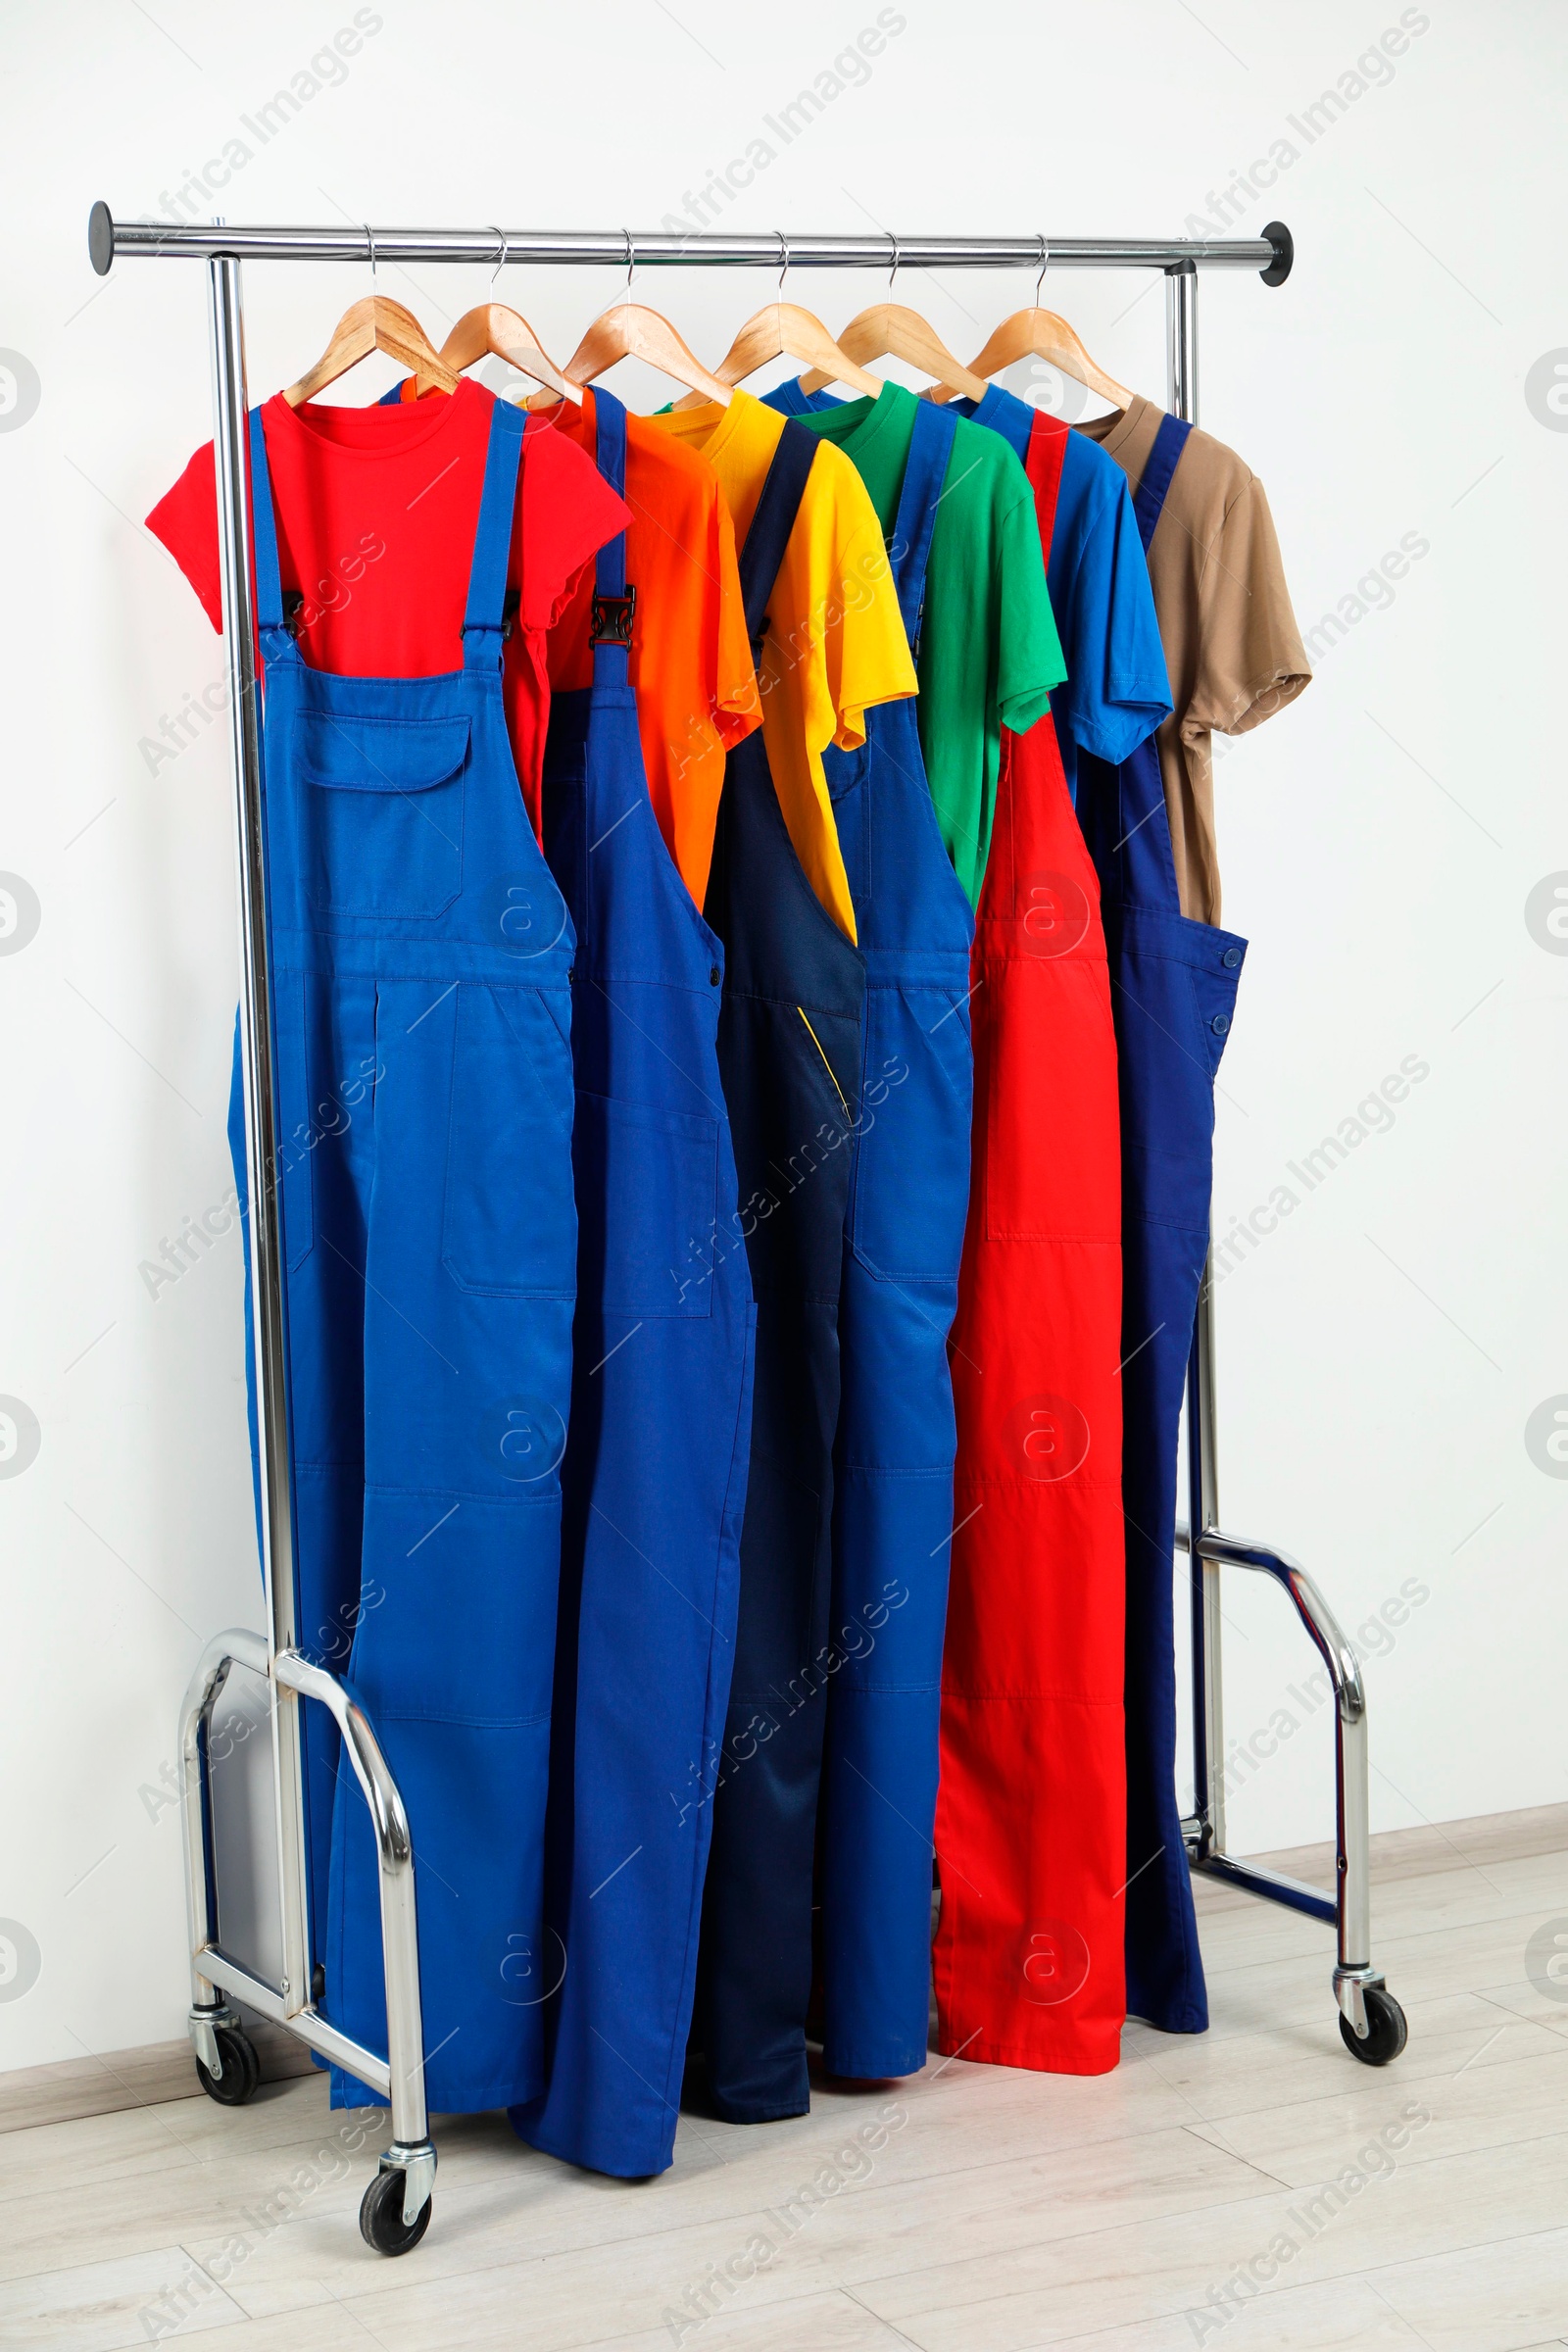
[(1381, 1353)]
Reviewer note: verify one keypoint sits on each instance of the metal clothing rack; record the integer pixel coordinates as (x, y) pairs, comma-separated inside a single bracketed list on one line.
[(397, 2204)]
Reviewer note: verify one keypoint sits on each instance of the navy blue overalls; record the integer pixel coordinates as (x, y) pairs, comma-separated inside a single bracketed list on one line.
[(1173, 993), (893, 1463), (420, 953), (790, 1051), (655, 1475)]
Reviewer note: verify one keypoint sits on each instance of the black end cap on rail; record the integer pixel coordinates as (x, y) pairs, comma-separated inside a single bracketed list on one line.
[(1284, 244), (101, 237)]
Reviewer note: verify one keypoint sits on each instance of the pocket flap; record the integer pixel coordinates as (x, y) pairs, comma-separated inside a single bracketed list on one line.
[(352, 754)]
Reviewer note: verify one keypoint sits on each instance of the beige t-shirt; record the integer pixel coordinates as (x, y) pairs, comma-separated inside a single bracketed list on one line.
[(1232, 647)]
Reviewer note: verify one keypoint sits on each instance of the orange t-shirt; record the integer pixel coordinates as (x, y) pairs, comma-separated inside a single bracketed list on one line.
[(691, 659)]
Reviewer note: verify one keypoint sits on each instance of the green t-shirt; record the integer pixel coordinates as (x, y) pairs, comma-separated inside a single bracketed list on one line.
[(988, 649)]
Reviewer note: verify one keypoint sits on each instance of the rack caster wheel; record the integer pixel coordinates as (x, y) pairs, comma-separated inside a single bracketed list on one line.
[(240, 2068), (1387, 2030), (381, 2222)]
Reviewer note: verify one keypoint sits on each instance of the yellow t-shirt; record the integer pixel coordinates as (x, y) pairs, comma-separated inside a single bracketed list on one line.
[(835, 643)]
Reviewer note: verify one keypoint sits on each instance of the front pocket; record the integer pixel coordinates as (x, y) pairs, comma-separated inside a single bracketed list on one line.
[(648, 1201), (508, 1226), (912, 1180), (381, 810)]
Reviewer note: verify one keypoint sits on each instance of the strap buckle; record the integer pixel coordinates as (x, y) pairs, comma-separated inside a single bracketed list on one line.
[(612, 618)]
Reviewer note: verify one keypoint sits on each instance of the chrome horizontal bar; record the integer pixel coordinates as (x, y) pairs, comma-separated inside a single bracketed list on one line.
[(234, 1976), (108, 238), (1271, 1885)]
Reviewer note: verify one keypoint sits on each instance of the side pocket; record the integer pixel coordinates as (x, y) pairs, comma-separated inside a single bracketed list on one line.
[(1216, 971), (297, 1137), (912, 1180), (648, 1199), (509, 1225)]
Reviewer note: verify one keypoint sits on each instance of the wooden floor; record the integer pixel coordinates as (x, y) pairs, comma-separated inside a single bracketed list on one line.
[(1253, 2188)]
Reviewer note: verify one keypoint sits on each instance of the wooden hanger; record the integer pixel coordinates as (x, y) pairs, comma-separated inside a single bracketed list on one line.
[(491, 326), (1045, 335), (631, 331), (888, 330), (378, 324), (785, 331)]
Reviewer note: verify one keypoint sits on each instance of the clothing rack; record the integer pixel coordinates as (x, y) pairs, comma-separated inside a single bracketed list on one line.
[(394, 2203)]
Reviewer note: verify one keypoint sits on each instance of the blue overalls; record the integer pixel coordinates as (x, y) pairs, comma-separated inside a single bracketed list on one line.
[(1173, 993), (654, 1475), (421, 956), (897, 1436), (789, 1052)]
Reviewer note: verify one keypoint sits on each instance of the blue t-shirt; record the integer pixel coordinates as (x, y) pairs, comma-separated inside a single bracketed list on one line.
[(1117, 690)]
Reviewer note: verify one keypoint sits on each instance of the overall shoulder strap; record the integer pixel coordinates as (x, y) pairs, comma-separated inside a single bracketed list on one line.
[(1047, 455), (271, 628), (773, 523), (1148, 498), (483, 622), (936, 428), (610, 633)]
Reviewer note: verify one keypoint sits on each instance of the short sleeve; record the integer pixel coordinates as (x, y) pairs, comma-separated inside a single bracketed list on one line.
[(185, 520), (737, 704), (1250, 659), (1118, 691), (1029, 658), (566, 512), (864, 653)]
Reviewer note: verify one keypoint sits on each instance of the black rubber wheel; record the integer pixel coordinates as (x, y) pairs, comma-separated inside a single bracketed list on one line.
[(381, 2222), (1387, 2030), (242, 2069)]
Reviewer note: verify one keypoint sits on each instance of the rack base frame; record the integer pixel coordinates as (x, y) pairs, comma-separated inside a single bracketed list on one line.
[(396, 2209)]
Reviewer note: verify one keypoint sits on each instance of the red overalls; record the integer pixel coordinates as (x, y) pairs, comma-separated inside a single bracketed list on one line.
[(1031, 1811)]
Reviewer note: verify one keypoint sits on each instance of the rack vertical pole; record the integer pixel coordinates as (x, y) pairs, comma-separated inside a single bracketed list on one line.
[(268, 1313), (1206, 1830)]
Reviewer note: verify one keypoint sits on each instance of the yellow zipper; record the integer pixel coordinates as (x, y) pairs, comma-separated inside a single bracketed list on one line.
[(826, 1065)]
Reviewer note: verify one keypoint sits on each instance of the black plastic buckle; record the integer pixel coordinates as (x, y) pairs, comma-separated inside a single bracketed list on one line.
[(612, 618), (293, 606)]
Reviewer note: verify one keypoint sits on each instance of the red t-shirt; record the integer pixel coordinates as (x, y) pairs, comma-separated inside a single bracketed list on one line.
[(377, 511)]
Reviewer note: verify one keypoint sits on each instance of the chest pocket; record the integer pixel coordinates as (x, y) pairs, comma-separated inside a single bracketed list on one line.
[(380, 811)]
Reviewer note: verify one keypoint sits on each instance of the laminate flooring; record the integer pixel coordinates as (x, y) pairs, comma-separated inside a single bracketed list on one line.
[(1253, 2188)]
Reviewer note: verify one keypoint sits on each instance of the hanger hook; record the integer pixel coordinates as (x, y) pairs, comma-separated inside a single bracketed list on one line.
[(369, 235), (631, 261), (894, 272), (784, 260), (1044, 265), (500, 253)]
